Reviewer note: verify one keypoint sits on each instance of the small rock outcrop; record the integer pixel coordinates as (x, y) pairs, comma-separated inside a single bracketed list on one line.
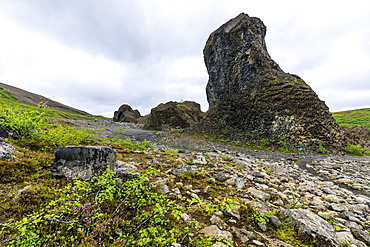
[(248, 91), (3, 131), (83, 162), (126, 114), (7, 151), (174, 115)]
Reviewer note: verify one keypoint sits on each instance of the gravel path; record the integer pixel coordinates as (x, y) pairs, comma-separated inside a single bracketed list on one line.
[(110, 129), (328, 167)]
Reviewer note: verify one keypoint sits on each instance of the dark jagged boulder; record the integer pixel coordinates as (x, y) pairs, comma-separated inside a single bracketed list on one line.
[(126, 114), (174, 115), (248, 91), (4, 131), (83, 162)]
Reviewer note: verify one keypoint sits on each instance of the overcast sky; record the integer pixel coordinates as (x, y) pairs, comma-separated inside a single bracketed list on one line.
[(96, 55)]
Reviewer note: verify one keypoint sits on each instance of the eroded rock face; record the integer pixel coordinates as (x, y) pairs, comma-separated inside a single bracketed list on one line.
[(248, 91), (126, 114), (83, 162), (174, 115)]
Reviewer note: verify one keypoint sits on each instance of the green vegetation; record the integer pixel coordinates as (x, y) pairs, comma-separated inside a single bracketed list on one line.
[(287, 233), (355, 117), (99, 212), (357, 150), (320, 149), (264, 143), (285, 148), (130, 143), (181, 104), (226, 157)]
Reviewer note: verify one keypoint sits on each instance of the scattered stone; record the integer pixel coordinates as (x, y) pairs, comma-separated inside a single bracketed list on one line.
[(275, 220), (337, 207), (124, 168), (258, 243), (83, 162), (345, 237), (218, 221), (187, 218), (363, 236), (263, 227), (199, 160), (215, 232), (353, 225), (220, 176), (164, 189), (239, 183), (345, 215), (184, 168), (219, 245), (259, 194), (235, 212), (244, 235)]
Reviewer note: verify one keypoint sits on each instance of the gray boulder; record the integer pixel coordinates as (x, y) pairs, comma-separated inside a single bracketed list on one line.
[(313, 227), (7, 151), (184, 168), (361, 235), (83, 162)]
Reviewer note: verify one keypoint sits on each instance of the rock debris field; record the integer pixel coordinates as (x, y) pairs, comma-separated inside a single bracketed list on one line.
[(311, 190)]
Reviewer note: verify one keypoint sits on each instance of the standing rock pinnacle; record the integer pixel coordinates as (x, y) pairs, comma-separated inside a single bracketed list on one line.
[(248, 91)]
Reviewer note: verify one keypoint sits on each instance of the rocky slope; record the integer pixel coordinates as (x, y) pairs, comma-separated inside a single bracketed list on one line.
[(326, 198)]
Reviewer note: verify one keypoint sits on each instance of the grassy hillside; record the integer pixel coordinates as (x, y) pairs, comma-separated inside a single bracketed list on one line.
[(33, 99), (354, 117)]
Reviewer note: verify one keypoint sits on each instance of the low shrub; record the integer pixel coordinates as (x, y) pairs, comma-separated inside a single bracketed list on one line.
[(102, 211), (321, 149), (356, 150)]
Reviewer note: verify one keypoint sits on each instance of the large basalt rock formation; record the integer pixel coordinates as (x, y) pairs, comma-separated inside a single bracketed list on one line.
[(126, 114), (174, 115), (248, 91)]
